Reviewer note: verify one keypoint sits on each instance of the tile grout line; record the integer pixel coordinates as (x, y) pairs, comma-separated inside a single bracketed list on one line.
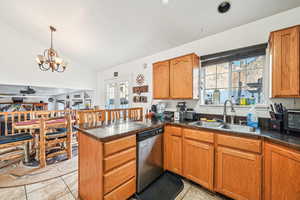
[(67, 187), (25, 192), (186, 192)]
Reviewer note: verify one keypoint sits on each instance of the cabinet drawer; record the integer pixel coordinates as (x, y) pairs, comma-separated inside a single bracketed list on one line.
[(123, 192), (246, 144), (117, 177), (173, 130), (199, 135), (119, 145), (118, 159)]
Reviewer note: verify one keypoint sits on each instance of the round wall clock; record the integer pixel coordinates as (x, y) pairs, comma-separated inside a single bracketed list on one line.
[(140, 79)]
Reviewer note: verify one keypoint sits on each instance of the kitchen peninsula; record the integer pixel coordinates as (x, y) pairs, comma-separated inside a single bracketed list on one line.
[(207, 156)]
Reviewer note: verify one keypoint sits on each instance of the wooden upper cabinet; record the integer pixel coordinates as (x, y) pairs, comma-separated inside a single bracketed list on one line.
[(285, 62), (181, 76), (238, 174), (161, 80), (281, 173), (175, 78)]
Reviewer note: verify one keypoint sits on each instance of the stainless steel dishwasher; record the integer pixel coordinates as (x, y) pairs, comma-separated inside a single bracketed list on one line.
[(150, 157)]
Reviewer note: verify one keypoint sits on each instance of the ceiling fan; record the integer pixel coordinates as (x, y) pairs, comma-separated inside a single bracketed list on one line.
[(28, 90), (22, 93)]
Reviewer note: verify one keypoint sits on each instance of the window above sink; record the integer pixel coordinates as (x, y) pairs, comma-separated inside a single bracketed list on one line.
[(236, 75)]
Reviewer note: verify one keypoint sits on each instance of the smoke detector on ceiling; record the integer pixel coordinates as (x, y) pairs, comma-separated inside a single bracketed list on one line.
[(224, 7)]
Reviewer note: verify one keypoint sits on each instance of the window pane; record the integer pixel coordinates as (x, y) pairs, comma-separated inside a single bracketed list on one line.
[(239, 65), (254, 76), (248, 93), (210, 70), (223, 68), (210, 82), (217, 96), (236, 65), (208, 97), (111, 93), (238, 79), (246, 81), (239, 93), (124, 94), (222, 80), (255, 62)]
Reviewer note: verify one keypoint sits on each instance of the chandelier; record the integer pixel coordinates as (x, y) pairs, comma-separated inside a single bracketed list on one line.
[(50, 59)]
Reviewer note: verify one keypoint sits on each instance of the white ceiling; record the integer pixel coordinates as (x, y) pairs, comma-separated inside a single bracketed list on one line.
[(104, 33)]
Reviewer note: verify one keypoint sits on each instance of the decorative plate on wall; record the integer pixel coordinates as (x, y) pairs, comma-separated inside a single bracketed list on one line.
[(140, 79)]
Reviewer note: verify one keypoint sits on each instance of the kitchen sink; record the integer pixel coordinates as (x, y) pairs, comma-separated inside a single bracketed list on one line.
[(225, 127), (207, 124), (238, 128)]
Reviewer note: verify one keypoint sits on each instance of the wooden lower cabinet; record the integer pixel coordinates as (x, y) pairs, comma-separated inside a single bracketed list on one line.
[(107, 170), (198, 162), (123, 192), (238, 174), (189, 153), (233, 165), (173, 149), (281, 173), (174, 154)]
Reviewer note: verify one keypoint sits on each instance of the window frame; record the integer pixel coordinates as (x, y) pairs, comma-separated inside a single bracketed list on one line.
[(230, 88), (118, 82)]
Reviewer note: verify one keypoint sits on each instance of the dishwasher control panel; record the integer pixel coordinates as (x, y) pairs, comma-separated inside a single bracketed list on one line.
[(149, 133)]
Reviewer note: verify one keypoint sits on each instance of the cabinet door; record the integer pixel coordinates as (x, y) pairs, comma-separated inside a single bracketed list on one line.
[(175, 154), (181, 77), (198, 162), (282, 173), (161, 80), (285, 62), (238, 174)]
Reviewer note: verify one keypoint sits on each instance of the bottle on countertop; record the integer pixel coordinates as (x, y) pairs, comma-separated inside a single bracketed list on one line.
[(233, 100), (252, 119), (216, 96), (252, 100), (243, 100)]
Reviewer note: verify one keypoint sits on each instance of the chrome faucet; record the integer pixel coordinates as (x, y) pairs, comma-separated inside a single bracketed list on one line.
[(225, 112)]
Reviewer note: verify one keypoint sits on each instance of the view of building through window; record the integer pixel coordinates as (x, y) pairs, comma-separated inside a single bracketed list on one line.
[(240, 81)]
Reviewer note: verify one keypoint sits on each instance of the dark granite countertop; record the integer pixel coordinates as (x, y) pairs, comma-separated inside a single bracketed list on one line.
[(113, 131), (108, 132)]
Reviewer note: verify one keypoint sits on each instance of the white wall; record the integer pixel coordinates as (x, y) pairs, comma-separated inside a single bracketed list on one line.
[(246, 35), (18, 66)]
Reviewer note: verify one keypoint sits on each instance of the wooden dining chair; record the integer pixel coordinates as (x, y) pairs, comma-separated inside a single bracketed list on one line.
[(116, 115), (91, 117), (55, 143), (15, 147), (41, 114), (136, 114)]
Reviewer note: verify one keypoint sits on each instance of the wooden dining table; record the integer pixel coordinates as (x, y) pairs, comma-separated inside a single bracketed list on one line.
[(34, 125)]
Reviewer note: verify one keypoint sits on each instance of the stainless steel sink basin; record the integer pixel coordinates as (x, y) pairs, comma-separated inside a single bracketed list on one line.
[(238, 128), (207, 124), (225, 127)]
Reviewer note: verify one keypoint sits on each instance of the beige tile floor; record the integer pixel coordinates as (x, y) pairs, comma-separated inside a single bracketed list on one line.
[(65, 188)]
